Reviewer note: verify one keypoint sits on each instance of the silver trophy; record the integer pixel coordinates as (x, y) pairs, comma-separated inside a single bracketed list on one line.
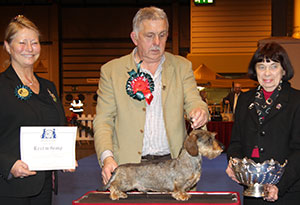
[(256, 175)]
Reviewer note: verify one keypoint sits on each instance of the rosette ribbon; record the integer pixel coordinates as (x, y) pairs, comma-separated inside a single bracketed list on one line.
[(140, 85), (23, 92)]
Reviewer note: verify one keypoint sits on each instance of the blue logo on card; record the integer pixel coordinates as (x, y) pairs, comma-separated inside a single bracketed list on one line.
[(49, 134)]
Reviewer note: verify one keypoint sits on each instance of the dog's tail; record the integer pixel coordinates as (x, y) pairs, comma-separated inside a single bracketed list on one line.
[(113, 176)]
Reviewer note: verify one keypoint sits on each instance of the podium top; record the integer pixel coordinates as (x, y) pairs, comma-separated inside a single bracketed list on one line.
[(199, 198)]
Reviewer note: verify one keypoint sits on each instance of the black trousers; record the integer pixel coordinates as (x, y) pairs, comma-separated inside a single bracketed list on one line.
[(43, 198)]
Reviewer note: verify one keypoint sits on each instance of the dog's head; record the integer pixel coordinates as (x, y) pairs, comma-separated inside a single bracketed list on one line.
[(203, 142)]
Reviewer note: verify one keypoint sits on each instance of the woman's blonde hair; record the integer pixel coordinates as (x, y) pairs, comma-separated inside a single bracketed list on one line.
[(16, 24)]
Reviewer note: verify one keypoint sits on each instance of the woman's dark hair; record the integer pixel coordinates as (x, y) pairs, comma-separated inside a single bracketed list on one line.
[(271, 51)]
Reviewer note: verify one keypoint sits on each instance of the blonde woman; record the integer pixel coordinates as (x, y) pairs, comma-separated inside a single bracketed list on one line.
[(26, 100)]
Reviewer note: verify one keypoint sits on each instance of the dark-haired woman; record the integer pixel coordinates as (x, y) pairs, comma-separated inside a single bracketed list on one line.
[(267, 123)]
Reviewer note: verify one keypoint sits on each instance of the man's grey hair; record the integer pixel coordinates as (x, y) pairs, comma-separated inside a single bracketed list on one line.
[(148, 13)]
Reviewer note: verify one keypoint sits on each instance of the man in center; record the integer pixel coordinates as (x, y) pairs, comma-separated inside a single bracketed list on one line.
[(143, 97)]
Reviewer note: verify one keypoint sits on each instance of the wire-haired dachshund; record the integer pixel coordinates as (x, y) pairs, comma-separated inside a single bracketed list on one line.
[(177, 175)]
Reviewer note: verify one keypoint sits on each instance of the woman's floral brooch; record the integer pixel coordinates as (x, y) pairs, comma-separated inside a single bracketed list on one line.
[(23, 92)]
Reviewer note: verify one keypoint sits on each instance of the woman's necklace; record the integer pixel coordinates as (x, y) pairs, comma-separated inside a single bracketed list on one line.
[(29, 82), (33, 85)]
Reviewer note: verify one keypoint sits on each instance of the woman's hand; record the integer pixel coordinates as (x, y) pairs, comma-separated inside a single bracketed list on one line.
[(20, 169), (271, 192), (71, 170), (230, 173)]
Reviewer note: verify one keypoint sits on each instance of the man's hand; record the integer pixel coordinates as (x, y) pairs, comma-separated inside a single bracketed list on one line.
[(20, 169), (109, 165), (199, 117)]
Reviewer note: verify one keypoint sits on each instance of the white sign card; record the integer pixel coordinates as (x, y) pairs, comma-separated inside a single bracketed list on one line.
[(48, 148)]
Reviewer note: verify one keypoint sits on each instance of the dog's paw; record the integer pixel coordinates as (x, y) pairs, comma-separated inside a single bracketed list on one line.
[(123, 195), (181, 196), (117, 195)]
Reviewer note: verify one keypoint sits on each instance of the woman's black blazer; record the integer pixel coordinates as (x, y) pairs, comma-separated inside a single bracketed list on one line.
[(13, 114), (278, 137)]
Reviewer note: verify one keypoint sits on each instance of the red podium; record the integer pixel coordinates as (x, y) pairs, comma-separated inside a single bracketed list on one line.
[(199, 198)]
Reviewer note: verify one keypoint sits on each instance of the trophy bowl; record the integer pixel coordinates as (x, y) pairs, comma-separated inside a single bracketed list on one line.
[(256, 175)]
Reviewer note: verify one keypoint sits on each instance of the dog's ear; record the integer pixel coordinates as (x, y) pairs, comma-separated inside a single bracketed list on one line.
[(190, 144), (213, 134)]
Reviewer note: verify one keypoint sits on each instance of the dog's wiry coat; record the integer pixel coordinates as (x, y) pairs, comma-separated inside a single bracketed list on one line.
[(175, 175)]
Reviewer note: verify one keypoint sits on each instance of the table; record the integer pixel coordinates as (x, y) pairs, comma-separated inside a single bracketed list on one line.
[(200, 198), (223, 130)]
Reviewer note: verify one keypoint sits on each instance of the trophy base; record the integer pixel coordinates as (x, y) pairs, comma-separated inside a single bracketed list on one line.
[(255, 190)]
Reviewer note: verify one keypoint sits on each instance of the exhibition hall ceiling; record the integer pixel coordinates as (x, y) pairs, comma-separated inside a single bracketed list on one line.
[(89, 2)]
